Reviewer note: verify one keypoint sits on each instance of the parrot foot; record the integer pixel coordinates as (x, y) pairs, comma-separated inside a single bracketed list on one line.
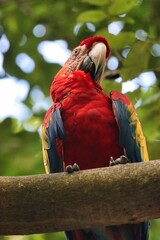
[(121, 160), (71, 169)]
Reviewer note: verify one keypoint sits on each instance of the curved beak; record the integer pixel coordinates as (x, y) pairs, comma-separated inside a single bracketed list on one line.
[(95, 61)]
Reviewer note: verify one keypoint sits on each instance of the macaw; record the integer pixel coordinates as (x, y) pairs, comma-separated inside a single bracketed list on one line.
[(85, 128)]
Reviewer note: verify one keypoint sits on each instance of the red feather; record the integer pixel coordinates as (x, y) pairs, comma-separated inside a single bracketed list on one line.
[(91, 131), (90, 41)]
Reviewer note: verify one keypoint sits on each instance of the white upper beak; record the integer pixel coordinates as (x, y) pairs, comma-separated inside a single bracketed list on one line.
[(98, 54)]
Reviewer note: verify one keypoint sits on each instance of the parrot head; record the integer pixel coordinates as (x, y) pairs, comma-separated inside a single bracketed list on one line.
[(90, 56)]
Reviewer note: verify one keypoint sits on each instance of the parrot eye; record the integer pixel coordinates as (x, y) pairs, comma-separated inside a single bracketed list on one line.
[(76, 51)]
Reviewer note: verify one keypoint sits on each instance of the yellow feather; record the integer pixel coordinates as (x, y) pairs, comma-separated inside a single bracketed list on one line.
[(44, 150), (139, 137)]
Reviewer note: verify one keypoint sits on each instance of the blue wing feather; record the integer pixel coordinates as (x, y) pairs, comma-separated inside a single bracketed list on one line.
[(126, 132), (131, 137), (122, 232), (52, 129), (145, 230)]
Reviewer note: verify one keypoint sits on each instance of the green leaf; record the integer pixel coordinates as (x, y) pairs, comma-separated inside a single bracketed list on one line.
[(115, 7), (110, 85), (148, 115), (137, 60), (32, 124), (118, 7), (91, 16), (119, 41), (95, 2)]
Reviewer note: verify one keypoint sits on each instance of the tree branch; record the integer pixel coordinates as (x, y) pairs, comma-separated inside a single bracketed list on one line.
[(42, 203)]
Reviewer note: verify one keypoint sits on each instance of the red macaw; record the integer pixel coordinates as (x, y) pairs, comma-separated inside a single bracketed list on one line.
[(86, 126)]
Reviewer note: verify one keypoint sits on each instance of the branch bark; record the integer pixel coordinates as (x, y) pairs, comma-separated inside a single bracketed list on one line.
[(108, 196)]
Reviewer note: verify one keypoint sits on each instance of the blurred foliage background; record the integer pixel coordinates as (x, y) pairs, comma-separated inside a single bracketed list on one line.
[(35, 40)]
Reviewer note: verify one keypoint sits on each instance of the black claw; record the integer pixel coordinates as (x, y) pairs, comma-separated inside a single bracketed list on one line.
[(121, 160), (71, 169), (111, 161), (76, 167)]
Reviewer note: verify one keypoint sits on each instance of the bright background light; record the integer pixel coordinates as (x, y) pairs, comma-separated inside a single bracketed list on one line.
[(115, 27), (113, 63), (12, 94), (13, 91), (54, 51), (25, 63), (39, 30)]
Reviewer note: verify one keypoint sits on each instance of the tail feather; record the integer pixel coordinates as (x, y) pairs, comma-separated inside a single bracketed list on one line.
[(122, 232)]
